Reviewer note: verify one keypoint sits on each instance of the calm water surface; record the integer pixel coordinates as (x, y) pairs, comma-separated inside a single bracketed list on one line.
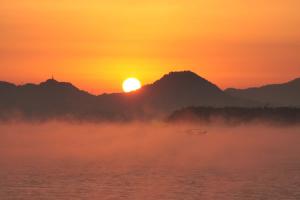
[(188, 168)]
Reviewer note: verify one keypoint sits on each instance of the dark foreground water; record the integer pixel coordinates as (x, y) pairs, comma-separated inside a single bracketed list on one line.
[(63, 161)]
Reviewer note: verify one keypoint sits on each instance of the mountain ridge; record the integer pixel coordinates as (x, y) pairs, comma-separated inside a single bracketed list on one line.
[(279, 94), (175, 90)]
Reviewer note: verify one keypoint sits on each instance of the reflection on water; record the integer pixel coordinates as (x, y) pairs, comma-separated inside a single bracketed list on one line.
[(60, 161)]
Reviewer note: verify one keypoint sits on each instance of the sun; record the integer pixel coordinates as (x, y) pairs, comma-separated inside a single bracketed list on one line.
[(131, 84)]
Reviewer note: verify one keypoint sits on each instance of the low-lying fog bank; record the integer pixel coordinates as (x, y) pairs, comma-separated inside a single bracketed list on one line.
[(180, 144), (274, 116), (58, 160)]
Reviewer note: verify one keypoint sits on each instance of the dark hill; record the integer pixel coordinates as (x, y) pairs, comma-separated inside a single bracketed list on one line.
[(51, 99), (181, 89), (285, 94), (48, 99)]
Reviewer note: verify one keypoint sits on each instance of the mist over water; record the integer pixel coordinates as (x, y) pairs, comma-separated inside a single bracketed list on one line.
[(58, 160)]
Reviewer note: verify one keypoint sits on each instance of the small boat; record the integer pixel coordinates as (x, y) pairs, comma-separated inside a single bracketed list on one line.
[(196, 132)]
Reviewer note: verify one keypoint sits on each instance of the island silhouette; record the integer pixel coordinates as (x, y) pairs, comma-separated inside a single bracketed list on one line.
[(174, 91)]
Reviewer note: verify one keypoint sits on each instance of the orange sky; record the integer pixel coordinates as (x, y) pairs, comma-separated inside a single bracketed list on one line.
[(95, 44)]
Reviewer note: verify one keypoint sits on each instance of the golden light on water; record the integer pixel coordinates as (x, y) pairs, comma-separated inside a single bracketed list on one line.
[(131, 84)]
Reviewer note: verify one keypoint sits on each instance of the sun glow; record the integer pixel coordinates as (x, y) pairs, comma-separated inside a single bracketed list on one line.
[(131, 84)]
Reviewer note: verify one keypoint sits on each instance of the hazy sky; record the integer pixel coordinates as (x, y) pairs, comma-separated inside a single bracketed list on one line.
[(96, 44)]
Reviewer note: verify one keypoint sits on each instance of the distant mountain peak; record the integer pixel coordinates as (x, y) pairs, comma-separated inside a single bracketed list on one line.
[(295, 81), (6, 84), (54, 83), (50, 81), (184, 80), (181, 75), (279, 94)]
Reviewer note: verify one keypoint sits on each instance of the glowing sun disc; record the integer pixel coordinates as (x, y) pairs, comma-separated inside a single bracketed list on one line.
[(131, 84)]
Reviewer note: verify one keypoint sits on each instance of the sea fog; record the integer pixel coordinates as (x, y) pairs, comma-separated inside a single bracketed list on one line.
[(139, 160)]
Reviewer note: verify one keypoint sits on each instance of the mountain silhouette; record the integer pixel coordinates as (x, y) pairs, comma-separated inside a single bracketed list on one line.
[(47, 99), (285, 94), (54, 99), (185, 88)]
